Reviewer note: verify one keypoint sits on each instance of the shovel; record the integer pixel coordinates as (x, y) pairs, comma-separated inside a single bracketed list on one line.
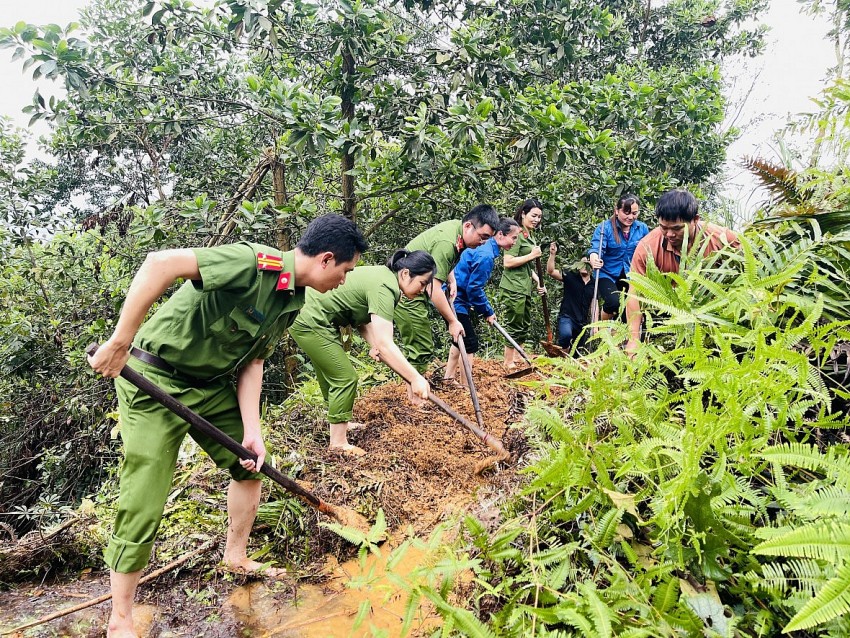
[(488, 439), (594, 304), (517, 373), (551, 348), (467, 370), (342, 514)]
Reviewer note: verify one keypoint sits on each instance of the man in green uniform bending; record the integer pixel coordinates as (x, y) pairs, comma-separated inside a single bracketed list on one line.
[(236, 303), (444, 242)]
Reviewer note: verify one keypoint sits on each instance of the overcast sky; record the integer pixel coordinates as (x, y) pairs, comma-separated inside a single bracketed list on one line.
[(786, 78), (18, 87)]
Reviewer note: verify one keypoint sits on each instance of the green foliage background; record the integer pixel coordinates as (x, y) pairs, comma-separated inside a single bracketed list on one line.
[(655, 477)]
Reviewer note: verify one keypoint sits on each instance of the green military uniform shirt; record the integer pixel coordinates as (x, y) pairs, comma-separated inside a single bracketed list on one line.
[(244, 302), (519, 279), (444, 242), (367, 291)]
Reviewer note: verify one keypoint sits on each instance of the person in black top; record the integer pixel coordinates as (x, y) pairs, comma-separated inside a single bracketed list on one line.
[(578, 293)]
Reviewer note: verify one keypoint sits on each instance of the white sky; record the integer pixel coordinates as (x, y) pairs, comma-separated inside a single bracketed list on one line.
[(790, 73), (787, 76), (18, 86)]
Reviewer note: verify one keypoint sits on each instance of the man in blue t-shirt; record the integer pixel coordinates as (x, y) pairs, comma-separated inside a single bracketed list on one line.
[(471, 274)]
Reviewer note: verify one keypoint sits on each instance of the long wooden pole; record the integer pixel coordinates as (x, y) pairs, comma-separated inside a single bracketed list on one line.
[(200, 424), (546, 320), (467, 371)]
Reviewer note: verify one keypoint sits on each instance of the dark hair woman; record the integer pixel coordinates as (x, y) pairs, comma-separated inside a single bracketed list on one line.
[(611, 250), (519, 280), (366, 301)]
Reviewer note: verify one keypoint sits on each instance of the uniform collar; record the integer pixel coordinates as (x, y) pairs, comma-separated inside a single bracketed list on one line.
[(286, 277)]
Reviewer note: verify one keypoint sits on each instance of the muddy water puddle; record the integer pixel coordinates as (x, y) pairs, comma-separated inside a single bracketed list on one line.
[(358, 598)]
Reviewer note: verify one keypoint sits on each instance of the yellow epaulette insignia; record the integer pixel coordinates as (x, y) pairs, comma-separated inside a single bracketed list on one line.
[(269, 262)]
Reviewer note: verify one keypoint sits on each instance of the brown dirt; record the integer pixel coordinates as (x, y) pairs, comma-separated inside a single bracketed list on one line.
[(420, 462)]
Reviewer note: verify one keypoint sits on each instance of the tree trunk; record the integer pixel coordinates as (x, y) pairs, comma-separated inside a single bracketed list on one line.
[(245, 191), (349, 200), (284, 234)]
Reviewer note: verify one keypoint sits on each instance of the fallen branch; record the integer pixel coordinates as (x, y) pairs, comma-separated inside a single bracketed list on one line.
[(25, 553), (100, 599)]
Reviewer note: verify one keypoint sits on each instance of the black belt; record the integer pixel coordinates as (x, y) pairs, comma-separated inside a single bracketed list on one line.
[(162, 364)]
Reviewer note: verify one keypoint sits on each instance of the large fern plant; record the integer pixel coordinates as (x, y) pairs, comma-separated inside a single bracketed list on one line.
[(654, 478)]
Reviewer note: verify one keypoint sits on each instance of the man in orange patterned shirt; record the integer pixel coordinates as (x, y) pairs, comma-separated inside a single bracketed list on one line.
[(678, 216)]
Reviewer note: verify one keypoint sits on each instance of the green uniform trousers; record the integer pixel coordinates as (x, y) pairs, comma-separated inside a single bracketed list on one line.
[(152, 436), (516, 314), (414, 328), (334, 372)]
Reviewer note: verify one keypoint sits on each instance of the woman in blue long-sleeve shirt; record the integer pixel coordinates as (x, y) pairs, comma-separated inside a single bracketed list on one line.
[(611, 250), (471, 274)]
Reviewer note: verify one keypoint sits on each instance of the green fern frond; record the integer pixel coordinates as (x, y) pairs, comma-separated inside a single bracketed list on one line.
[(810, 458), (780, 579), (463, 619), (823, 540), (599, 612), (572, 617), (351, 534), (606, 527), (666, 595), (830, 602), (793, 454)]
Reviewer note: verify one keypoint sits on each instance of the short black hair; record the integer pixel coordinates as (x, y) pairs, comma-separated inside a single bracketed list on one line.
[(506, 224), (334, 234), (483, 215), (677, 205)]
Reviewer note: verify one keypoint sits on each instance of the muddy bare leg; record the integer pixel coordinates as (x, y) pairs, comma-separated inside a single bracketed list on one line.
[(123, 593), (452, 364), (339, 439), (243, 498)]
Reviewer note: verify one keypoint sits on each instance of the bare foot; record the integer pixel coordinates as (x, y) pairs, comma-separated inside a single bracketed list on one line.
[(348, 449), (453, 384), (113, 631), (355, 425), (253, 568)]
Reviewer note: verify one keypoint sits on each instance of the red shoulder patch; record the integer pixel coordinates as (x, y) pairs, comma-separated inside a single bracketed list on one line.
[(283, 280), (269, 262)]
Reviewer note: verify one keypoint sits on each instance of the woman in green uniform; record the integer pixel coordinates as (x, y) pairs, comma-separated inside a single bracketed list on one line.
[(515, 288), (366, 301)]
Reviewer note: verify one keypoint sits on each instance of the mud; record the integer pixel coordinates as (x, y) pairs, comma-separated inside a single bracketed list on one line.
[(420, 464), (419, 468)]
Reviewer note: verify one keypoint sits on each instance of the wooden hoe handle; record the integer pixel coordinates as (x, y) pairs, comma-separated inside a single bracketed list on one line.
[(203, 426), (539, 267)]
